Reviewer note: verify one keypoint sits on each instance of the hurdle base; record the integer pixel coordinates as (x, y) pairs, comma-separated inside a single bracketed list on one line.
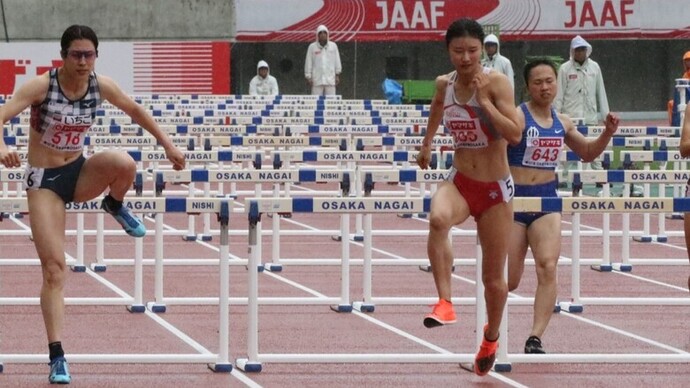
[(427, 268), (78, 268), (363, 307), (422, 215), (273, 267), (259, 268), (675, 216), (205, 237), (601, 267), (155, 307), (557, 308), (189, 237), (1, 368), (406, 215), (503, 367), (136, 308), (18, 215), (342, 308), (248, 366), (220, 368), (572, 307), (355, 237), (95, 267), (623, 267), (644, 239), (661, 238)]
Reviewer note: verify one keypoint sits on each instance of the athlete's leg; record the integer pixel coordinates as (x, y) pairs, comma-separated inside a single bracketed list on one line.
[(517, 250), (494, 228), (47, 219), (448, 208), (108, 169), (544, 237)]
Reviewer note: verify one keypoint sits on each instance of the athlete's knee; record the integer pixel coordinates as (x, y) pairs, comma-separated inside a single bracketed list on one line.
[(494, 284), (124, 162), (439, 222), (54, 272), (546, 270)]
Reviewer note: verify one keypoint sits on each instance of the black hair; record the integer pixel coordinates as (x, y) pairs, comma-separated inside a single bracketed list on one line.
[(76, 32), (538, 62), (464, 27)]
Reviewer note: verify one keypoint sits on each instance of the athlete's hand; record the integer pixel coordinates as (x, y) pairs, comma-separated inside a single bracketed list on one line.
[(9, 158), (424, 157), (611, 123), (480, 85), (176, 157)]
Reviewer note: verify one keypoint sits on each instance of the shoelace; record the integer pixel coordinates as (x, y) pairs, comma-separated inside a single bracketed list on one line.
[(59, 368)]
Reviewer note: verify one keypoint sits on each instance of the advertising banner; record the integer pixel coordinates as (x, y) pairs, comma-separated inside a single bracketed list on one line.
[(420, 20), (138, 67)]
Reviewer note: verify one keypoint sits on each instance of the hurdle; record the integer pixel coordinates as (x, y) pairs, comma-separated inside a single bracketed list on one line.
[(216, 362), (648, 156), (253, 362), (323, 175)]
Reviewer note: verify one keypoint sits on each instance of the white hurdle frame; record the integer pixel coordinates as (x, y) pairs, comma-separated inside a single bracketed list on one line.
[(216, 362), (367, 205)]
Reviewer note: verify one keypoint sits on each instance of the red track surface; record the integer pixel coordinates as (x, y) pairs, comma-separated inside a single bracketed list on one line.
[(316, 329)]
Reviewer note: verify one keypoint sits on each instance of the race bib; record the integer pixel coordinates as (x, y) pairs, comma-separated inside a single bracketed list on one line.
[(67, 133), (467, 133), (542, 152)]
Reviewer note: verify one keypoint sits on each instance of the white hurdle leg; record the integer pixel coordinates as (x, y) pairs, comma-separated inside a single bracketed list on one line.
[(480, 304), (191, 233), (275, 264), (251, 363), (99, 266), (605, 265), (366, 306), (222, 364), (359, 235), (646, 233), (661, 218), (502, 364), (575, 306), (259, 246), (79, 266), (137, 305), (625, 265), (344, 306), (158, 306), (206, 234)]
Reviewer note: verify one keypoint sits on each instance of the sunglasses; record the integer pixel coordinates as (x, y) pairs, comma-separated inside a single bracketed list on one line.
[(78, 55)]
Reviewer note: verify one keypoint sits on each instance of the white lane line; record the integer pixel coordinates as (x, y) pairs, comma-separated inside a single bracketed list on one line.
[(391, 328), (156, 318), (625, 333), (652, 281)]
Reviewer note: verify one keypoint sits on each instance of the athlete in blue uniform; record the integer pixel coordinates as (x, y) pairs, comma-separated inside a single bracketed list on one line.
[(532, 164), (63, 105)]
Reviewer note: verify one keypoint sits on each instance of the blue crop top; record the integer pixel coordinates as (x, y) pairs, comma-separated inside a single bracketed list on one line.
[(540, 147)]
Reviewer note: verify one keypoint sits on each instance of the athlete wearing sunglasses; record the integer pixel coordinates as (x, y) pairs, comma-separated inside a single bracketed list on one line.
[(63, 105)]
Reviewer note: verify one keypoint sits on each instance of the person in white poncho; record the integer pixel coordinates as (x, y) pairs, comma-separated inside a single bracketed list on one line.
[(263, 83), (496, 61), (322, 65)]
